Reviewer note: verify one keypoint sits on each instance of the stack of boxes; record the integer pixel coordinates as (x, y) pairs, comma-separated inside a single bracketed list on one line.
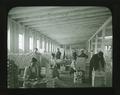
[(12, 74)]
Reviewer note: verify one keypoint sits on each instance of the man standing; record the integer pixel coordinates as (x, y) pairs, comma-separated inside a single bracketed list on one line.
[(58, 54), (37, 55), (97, 63), (57, 67), (74, 55)]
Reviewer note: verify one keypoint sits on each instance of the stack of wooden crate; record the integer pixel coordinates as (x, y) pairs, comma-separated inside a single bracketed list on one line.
[(51, 83), (98, 79), (49, 77), (12, 74), (87, 71)]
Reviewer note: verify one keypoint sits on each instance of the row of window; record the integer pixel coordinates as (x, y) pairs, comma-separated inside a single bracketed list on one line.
[(49, 48)]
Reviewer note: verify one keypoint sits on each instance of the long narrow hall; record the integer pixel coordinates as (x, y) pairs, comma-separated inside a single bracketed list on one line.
[(59, 47)]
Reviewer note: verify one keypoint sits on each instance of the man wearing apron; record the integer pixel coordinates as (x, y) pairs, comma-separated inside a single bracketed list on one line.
[(38, 56)]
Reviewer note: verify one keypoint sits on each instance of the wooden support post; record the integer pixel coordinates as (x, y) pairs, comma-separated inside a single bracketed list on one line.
[(51, 46), (96, 43), (44, 44), (48, 45), (70, 51), (40, 41), (103, 38), (89, 45), (104, 25)]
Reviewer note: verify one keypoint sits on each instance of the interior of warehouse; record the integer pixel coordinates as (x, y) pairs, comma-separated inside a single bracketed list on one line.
[(36, 34)]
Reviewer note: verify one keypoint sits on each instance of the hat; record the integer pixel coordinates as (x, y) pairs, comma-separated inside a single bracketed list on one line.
[(34, 59), (100, 53), (82, 50)]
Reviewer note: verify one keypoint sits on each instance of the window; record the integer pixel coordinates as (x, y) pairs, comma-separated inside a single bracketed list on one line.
[(108, 37), (31, 43), (8, 39), (47, 46), (50, 46), (38, 44), (53, 47), (109, 47), (21, 42), (106, 47), (43, 44)]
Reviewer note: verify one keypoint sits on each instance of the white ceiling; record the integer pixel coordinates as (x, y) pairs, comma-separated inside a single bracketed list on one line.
[(66, 25)]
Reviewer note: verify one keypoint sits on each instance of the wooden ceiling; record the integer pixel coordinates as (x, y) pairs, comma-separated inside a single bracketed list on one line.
[(66, 25)]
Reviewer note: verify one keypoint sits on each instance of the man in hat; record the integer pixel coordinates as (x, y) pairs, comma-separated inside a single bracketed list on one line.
[(83, 54), (58, 54)]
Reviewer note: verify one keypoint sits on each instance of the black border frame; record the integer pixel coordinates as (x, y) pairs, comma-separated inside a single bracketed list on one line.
[(113, 5)]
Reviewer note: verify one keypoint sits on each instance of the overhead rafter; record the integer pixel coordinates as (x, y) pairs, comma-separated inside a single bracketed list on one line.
[(57, 12), (105, 23), (64, 19), (92, 27), (45, 13), (60, 17), (25, 10), (66, 25), (76, 22)]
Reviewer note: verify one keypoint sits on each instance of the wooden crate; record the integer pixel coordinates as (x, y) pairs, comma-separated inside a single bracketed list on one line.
[(99, 82), (98, 79)]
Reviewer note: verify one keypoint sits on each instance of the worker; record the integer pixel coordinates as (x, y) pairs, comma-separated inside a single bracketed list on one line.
[(31, 74), (53, 55), (97, 63), (72, 67), (74, 55), (53, 60), (81, 64), (38, 56), (58, 54), (83, 54), (56, 73)]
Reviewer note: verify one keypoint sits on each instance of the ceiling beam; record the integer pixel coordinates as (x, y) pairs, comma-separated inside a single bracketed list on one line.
[(85, 33), (77, 22), (71, 42), (25, 10), (61, 16), (77, 37), (57, 12), (64, 19), (94, 26), (105, 23)]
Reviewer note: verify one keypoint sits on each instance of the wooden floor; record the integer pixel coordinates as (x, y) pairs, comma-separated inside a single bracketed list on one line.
[(66, 81)]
